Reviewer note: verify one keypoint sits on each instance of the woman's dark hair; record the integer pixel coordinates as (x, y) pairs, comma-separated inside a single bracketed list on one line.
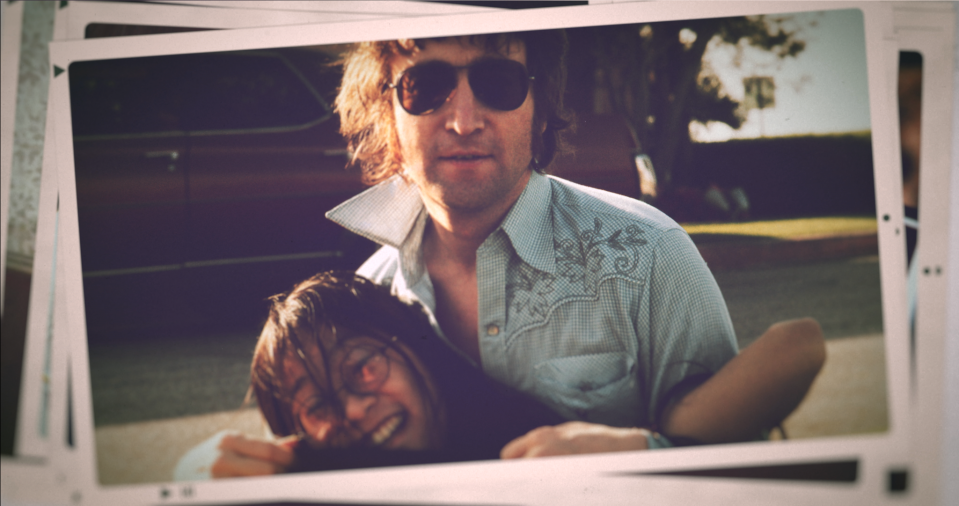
[(310, 315)]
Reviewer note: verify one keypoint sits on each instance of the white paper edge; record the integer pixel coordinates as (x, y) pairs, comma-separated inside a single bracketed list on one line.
[(31, 426), (883, 448), (932, 34), (392, 8), (949, 488), (213, 15)]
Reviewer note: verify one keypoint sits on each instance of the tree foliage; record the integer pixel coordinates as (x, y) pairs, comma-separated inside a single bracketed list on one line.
[(654, 75)]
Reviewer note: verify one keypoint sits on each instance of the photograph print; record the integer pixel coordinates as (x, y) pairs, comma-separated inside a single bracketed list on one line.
[(564, 241)]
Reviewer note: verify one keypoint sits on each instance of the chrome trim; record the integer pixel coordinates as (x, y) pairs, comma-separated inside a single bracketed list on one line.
[(172, 154), (203, 133), (265, 130), (212, 263)]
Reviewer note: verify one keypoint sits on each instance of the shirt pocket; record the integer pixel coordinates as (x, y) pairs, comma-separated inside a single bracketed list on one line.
[(600, 388)]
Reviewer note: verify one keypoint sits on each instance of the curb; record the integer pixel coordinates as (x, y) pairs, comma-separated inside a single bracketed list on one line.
[(774, 252)]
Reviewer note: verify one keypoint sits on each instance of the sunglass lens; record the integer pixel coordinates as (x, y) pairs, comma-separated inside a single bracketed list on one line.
[(500, 84), (424, 88)]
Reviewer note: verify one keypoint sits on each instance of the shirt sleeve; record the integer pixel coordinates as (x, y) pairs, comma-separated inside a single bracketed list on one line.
[(691, 335)]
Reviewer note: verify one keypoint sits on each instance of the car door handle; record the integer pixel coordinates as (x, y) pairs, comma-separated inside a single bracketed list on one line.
[(172, 154)]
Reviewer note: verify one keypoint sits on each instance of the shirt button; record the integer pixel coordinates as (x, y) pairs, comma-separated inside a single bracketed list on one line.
[(492, 330)]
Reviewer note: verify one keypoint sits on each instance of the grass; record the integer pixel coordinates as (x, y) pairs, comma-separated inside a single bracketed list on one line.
[(796, 228), (860, 134)]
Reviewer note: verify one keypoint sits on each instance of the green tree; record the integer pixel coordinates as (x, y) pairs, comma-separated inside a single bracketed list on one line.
[(654, 75)]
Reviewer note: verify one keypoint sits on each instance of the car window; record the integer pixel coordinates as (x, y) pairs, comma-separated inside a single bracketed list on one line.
[(200, 93), (126, 96), (248, 92)]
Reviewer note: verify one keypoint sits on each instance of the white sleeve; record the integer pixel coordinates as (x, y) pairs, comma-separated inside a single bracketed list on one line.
[(195, 464)]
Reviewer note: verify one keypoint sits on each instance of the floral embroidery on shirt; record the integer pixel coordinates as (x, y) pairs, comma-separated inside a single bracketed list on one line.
[(529, 290), (581, 258)]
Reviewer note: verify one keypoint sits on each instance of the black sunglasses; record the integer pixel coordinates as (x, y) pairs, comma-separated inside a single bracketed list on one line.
[(498, 83)]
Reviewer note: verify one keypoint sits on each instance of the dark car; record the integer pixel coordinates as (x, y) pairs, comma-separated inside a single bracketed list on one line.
[(191, 159), (207, 176)]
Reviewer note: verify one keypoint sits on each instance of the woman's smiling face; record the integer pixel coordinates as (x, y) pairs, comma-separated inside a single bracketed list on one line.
[(364, 392)]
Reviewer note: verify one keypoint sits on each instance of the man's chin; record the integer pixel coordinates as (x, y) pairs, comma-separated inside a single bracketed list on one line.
[(470, 196)]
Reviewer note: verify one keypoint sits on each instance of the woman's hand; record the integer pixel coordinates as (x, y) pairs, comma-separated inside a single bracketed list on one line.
[(572, 438), (244, 456)]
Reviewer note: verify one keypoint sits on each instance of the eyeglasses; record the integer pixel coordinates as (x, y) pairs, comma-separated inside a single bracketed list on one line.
[(498, 83), (364, 369)]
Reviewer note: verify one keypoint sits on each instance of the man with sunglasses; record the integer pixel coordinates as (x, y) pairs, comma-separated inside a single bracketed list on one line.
[(596, 304)]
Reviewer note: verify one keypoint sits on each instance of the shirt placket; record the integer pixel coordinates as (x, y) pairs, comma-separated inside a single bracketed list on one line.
[(491, 261)]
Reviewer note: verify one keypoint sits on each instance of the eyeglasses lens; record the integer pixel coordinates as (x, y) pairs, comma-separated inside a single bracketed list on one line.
[(365, 370), (498, 83)]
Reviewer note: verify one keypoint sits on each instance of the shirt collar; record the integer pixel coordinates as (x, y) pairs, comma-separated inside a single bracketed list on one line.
[(385, 213), (392, 213), (529, 224)]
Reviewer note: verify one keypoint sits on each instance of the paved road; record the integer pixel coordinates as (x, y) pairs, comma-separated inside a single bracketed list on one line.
[(136, 379), (843, 295)]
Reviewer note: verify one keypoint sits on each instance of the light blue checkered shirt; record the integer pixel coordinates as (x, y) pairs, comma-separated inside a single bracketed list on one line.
[(594, 303)]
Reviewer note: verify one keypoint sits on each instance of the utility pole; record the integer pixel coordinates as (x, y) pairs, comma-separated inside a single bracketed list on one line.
[(760, 93)]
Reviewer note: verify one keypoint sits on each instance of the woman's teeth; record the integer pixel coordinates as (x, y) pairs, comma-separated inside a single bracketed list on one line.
[(386, 429)]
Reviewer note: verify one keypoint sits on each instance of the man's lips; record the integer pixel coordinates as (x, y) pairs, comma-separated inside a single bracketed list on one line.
[(464, 156)]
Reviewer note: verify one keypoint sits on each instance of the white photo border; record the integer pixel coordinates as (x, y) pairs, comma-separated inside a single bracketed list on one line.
[(925, 29), (461, 481), (216, 15), (387, 8)]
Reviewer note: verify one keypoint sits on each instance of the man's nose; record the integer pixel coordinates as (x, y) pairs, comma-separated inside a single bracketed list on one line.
[(357, 406), (464, 111)]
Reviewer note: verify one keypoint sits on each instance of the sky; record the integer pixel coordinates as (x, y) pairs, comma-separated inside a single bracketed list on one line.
[(823, 90)]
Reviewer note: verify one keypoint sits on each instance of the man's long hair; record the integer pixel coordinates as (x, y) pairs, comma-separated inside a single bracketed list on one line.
[(365, 105)]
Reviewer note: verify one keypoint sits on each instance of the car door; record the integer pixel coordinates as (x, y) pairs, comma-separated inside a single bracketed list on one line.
[(266, 162), (129, 146)]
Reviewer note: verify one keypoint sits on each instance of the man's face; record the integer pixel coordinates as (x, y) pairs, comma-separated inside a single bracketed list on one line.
[(382, 403), (465, 156)]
